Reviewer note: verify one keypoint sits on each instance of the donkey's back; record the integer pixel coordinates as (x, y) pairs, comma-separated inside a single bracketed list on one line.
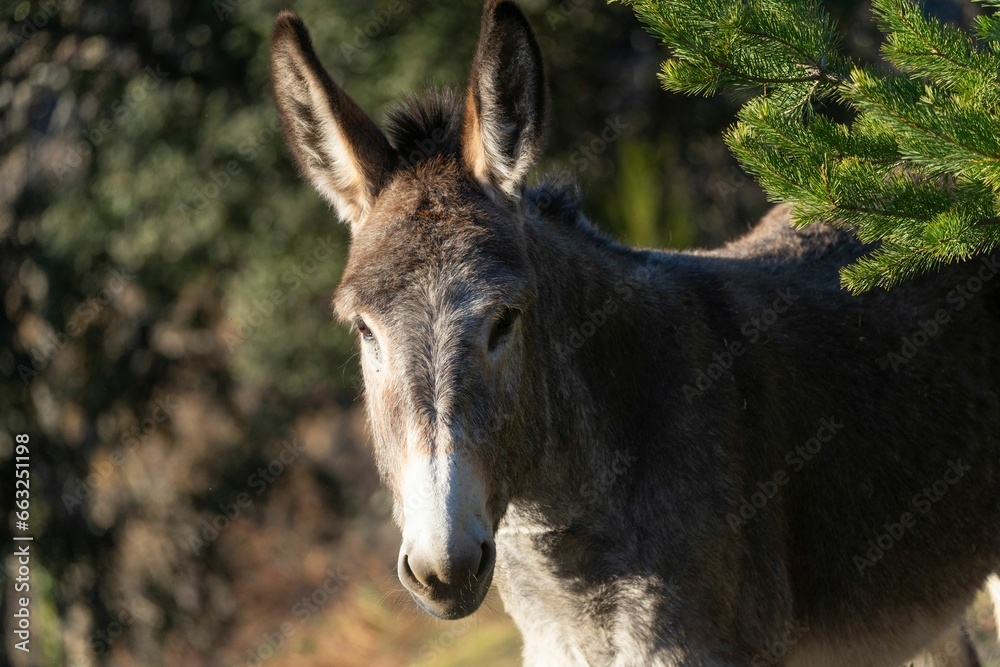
[(867, 431)]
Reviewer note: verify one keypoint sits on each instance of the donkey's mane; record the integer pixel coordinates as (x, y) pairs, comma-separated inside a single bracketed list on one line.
[(423, 126), (558, 200)]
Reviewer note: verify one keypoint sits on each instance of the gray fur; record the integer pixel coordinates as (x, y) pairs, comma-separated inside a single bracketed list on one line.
[(653, 494)]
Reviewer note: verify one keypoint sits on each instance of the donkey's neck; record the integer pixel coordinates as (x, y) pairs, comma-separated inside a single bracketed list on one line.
[(593, 322), (570, 551)]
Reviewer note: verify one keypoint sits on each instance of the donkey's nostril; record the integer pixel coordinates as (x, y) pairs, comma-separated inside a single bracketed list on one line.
[(420, 572), (486, 560), (458, 571), (407, 572)]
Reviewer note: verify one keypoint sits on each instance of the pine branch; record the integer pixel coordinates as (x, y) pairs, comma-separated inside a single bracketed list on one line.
[(917, 171)]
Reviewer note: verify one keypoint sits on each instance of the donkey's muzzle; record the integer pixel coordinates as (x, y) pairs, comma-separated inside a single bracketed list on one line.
[(452, 587)]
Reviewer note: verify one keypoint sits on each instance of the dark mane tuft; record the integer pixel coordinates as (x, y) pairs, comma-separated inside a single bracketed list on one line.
[(558, 200), (555, 199), (420, 127)]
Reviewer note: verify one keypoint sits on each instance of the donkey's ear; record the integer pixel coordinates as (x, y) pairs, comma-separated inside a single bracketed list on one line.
[(505, 108), (338, 148)]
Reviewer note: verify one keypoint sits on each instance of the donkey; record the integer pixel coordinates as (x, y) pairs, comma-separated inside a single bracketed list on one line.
[(662, 458)]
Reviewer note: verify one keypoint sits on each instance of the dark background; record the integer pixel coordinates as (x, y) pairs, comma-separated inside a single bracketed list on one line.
[(202, 489)]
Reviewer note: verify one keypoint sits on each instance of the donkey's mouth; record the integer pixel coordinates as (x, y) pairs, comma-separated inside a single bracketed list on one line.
[(455, 606), (457, 595)]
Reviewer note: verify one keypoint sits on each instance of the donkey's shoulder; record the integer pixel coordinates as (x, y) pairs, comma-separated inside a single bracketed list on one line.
[(776, 239)]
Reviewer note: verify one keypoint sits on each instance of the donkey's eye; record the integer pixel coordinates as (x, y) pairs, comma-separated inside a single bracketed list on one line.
[(503, 325), (366, 333)]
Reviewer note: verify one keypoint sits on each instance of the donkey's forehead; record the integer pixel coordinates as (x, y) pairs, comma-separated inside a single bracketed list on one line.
[(439, 236)]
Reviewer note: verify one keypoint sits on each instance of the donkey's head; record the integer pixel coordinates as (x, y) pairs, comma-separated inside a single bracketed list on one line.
[(439, 287)]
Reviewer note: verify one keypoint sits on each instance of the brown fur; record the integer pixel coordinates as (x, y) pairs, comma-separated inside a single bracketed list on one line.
[(547, 401)]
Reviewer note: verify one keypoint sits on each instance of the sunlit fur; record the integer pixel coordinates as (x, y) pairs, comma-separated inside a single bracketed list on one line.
[(577, 445)]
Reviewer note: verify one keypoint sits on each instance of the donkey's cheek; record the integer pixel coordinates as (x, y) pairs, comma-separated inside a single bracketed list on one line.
[(373, 358), (381, 384)]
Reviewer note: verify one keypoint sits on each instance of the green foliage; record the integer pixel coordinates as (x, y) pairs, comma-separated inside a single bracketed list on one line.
[(916, 170), (648, 204)]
